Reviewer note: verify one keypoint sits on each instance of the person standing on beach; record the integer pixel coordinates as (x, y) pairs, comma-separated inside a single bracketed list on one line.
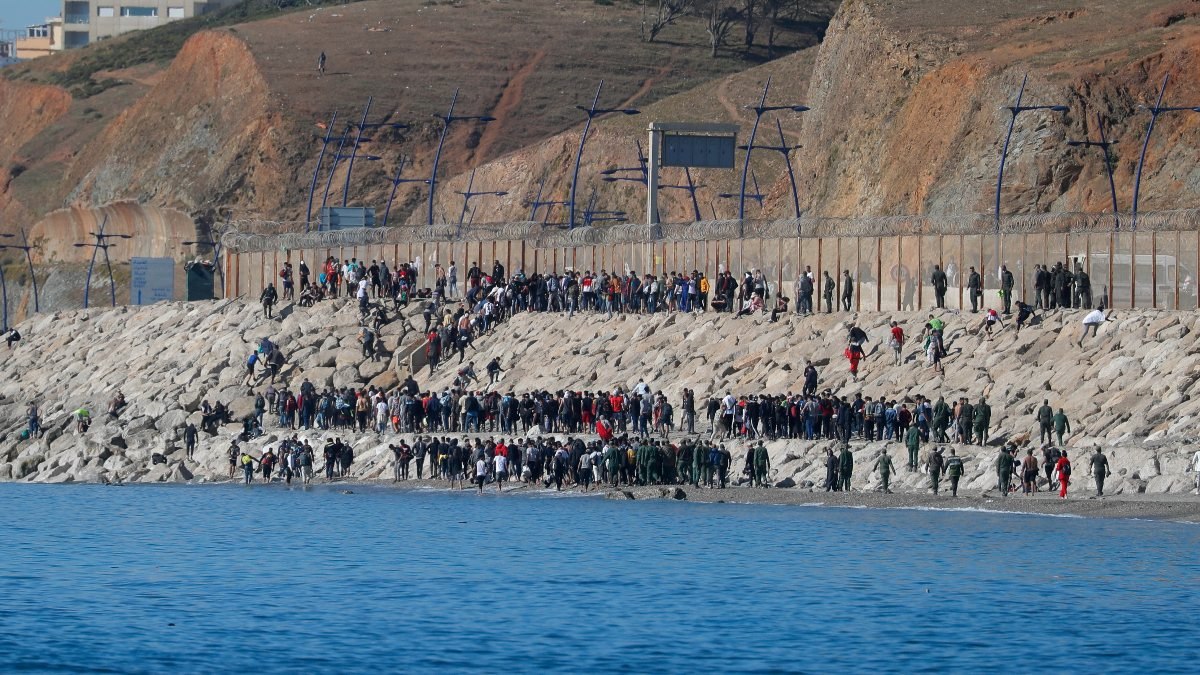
[(1045, 418), (1100, 470), (954, 471), (846, 467), (1004, 469), (831, 471), (762, 465), (247, 467), (1029, 473), (912, 440), (501, 465), (884, 466), (1063, 469), (481, 472), (936, 462)]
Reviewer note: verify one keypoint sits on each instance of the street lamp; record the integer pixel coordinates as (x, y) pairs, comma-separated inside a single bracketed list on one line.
[(312, 189), (592, 215), (28, 259), (538, 203), (1103, 144), (101, 244), (396, 182), (641, 176), (358, 139), (759, 110), (468, 194), (786, 150), (448, 119), (757, 195), (592, 112), (1157, 110)]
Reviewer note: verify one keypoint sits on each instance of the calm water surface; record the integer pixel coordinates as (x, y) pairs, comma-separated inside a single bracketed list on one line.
[(208, 578)]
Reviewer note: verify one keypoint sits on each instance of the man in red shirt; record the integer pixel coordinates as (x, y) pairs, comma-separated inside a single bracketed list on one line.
[(897, 341), (1063, 469)]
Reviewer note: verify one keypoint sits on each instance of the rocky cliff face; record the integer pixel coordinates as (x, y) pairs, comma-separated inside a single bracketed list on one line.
[(1131, 390)]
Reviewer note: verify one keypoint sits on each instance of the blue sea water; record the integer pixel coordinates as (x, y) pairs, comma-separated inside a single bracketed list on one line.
[(227, 578)]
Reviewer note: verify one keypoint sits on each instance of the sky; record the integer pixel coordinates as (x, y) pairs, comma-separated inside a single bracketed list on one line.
[(16, 14)]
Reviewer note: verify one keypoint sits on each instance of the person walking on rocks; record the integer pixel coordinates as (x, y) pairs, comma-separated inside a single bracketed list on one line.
[(954, 471), (762, 465), (974, 289), (1092, 323), (847, 290), (1061, 425), (268, 298), (983, 420), (897, 342), (1045, 418), (1100, 470), (827, 288), (940, 282), (885, 467), (189, 440), (1006, 289), (1063, 470), (1004, 471), (936, 464), (846, 467)]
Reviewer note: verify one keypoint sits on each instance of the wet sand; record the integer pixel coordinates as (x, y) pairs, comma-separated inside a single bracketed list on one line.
[(1168, 507)]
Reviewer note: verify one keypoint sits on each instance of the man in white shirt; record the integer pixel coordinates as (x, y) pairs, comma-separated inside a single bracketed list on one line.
[(501, 463), (1092, 322), (1196, 470)]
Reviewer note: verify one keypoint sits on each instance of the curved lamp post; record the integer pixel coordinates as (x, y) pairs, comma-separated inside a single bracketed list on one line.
[(592, 112), (1014, 110), (359, 140), (28, 259), (786, 150), (101, 244), (396, 182), (448, 119), (312, 189), (1103, 144), (538, 203), (468, 194), (1157, 110), (759, 110)]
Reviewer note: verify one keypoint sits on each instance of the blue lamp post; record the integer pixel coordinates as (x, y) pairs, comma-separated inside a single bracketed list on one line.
[(592, 112), (469, 194), (759, 110), (1157, 110), (786, 150), (641, 176), (1104, 145), (101, 244), (448, 119), (359, 140), (312, 189), (538, 203), (396, 182), (26, 248)]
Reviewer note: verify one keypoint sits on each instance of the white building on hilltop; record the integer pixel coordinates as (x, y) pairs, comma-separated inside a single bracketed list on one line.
[(86, 21)]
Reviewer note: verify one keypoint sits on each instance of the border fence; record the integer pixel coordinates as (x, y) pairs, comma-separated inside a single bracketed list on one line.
[(890, 259)]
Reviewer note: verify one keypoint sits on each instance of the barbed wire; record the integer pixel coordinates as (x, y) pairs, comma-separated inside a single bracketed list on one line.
[(265, 235)]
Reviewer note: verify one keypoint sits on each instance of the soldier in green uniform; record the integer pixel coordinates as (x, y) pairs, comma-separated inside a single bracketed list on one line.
[(954, 471), (912, 440), (827, 288), (1045, 418), (1004, 469), (656, 463), (1061, 425), (846, 467), (966, 413), (762, 464), (643, 462), (941, 420), (684, 464), (612, 459), (983, 420), (936, 461), (699, 459), (1100, 470), (884, 466)]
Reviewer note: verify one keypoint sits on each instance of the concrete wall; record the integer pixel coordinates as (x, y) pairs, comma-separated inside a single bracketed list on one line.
[(891, 272)]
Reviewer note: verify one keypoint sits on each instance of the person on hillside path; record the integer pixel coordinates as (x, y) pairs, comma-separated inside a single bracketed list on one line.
[(1063, 470), (954, 471), (1100, 470), (1092, 322), (321, 65), (885, 467)]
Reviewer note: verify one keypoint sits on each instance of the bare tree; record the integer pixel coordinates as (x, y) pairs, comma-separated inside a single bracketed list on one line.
[(666, 15), (721, 19), (753, 13)]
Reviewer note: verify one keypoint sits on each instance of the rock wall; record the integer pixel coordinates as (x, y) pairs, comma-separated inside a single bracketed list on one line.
[(1131, 390)]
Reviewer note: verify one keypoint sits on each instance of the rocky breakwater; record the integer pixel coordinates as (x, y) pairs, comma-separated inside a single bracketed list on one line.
[(166, 359), (1131, 390)]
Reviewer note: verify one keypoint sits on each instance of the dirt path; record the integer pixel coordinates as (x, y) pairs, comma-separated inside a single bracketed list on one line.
[(510, 99), (650, 81)]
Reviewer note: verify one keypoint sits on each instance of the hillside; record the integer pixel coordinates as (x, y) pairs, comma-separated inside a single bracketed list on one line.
[(907, 115), (214, 115), (1132, 390)]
